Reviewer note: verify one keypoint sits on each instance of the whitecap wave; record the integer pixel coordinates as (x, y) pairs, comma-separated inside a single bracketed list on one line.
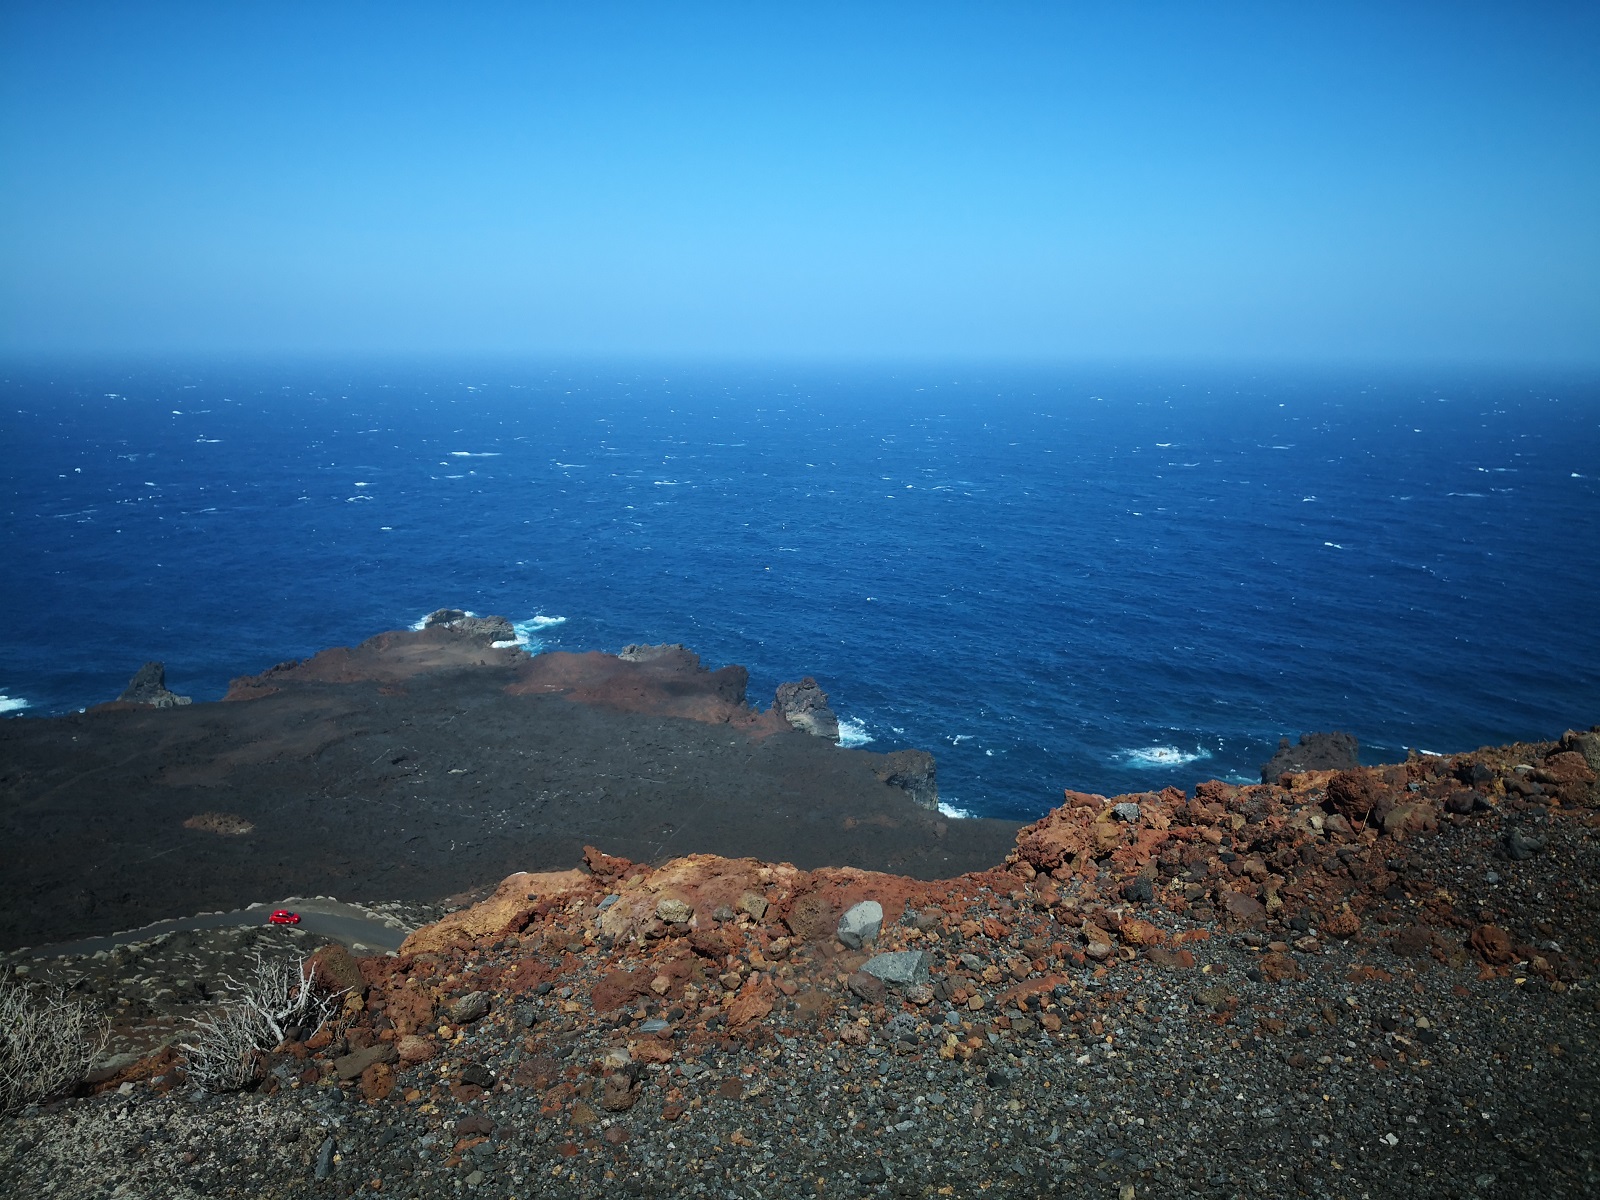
[(10, 704), (955, 811), (528, 632), (1163, 756), (474, 454), (853, 732)]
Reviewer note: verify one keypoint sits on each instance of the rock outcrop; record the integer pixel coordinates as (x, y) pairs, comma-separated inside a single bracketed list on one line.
[(667, 680), (483, 629), (805, 706), (913, 771), (1316, 752), (640, 652), (149, 688)]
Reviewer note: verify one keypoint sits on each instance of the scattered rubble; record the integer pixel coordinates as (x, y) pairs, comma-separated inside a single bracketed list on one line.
[(1339, 984)]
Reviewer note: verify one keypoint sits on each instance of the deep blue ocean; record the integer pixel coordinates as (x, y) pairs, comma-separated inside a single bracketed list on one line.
[(1106, 579)]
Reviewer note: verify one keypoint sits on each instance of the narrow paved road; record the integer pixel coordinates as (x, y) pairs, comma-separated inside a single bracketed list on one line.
[(330, 918)]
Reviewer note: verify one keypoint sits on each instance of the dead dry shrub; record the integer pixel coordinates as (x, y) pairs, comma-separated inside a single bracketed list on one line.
[(47, 1041), (225, 1049)]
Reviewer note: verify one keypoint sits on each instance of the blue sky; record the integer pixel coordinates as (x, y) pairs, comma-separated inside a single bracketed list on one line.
[(1407, 182)]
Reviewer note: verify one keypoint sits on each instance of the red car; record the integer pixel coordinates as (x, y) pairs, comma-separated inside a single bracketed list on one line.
[(284, 917)]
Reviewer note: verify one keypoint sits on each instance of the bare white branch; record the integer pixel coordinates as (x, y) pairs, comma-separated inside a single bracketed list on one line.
[(275, 997), (47, 1041)]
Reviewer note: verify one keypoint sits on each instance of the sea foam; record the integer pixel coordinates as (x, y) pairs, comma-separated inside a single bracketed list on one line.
[(853, 732), (1163, 756), (9, 704)]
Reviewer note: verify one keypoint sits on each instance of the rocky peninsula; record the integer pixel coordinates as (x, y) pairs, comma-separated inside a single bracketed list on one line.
[(424, 764)]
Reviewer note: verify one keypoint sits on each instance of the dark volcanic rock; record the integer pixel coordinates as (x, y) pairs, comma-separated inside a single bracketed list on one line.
[(1316, 752), (659, 680), (425, 764), (483, 629), (149, 687), (915, 772), (805, 706)]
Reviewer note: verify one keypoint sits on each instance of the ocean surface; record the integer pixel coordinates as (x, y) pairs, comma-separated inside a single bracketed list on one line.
[(1106, 579)]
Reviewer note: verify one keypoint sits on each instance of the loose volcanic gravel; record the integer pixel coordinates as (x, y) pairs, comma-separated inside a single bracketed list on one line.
[(1406, 1013)]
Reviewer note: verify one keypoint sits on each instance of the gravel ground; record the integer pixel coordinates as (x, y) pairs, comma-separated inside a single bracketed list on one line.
[(1192, 1054)]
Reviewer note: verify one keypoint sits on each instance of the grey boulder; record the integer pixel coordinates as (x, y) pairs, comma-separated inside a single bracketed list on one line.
[(860, 924), (901, 968)]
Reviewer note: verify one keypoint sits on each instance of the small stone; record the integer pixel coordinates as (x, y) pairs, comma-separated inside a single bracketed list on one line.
[(469, 1008), (324, 1166), (902, 968), (618, 1093), (860, 924), (753, 904), (874, 1174), (866, 987), (1126, 811), (655, 1025), (350, 1066), (1519, 847), (477, 1075), (673, 912)]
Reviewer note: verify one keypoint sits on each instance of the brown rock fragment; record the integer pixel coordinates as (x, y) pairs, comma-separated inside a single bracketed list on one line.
[(1243, 908), (1162, 957), (413, 1049), (1355, 795), (618, 1092), (751, 1005), (334, 968), (377, 1081), (1492, 944)]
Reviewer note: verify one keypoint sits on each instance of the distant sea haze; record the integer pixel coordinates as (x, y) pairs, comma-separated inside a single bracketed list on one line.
[(1110, 580)]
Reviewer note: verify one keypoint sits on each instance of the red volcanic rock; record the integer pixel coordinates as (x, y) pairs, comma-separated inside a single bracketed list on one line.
[(504, 912), (1568, 776), (1356, 796), (1405, 819), (1492, 944)]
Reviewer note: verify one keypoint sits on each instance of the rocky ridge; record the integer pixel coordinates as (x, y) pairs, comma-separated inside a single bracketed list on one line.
[(1369, 982)]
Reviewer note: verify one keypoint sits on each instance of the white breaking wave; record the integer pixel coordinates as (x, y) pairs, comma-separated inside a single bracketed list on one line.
[(528, 632), (853, 732), (11, 703), (1163, 756), (474, 454), (955, 811)]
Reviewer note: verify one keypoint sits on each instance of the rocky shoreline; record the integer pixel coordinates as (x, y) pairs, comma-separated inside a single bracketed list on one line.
[(423, 764), (1367, 982)]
